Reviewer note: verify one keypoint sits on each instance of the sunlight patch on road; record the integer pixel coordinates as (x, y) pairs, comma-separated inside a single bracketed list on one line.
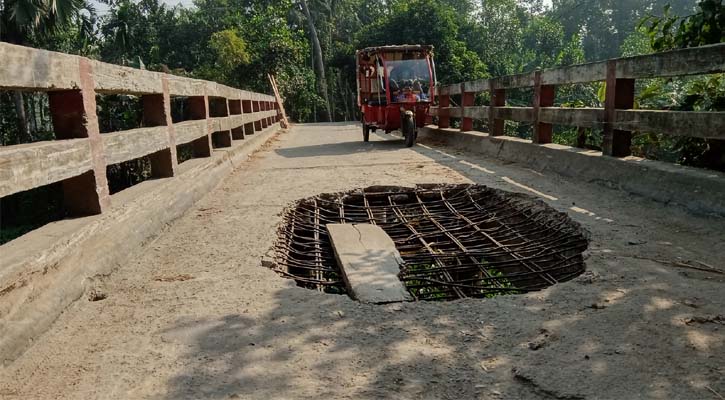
[(475, 166), (532, 190), (589, 213), (437, 151)]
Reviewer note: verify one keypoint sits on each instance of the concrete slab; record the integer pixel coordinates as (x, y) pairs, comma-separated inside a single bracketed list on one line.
[(369, 261)]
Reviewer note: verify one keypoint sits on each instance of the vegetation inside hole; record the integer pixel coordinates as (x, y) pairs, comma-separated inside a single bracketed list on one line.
[(424, 289)]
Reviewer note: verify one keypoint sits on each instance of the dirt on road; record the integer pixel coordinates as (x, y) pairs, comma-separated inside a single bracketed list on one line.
[(195, 315)]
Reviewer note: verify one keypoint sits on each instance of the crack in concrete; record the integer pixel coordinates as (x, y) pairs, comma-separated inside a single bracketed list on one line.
[(529, 383)]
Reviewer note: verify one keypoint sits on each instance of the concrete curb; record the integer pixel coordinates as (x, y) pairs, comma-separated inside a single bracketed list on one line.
[(48, 269), (699, 191)]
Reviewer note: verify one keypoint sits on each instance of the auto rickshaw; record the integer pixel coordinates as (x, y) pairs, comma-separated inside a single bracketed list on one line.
[(395, 87)]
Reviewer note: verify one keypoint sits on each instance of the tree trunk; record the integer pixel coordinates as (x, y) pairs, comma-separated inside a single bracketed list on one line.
[(31, 100), (21, 117), (344, 91), (318, 63)]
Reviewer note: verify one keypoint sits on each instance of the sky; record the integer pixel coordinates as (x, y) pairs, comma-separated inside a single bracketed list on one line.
[(102, 8)]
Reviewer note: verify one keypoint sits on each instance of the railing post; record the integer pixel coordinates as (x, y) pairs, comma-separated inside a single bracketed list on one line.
[(198, 109), (221, 138), (543, 97), (247, 111), (157, 112), (467, 100), (498, 99), (270, 107), (255, 108), (444, 121), (234, 106), (74, 116), (265, 108), (619, 96)]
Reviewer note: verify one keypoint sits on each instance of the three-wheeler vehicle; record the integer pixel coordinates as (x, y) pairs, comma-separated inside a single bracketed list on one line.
[(395, 87)]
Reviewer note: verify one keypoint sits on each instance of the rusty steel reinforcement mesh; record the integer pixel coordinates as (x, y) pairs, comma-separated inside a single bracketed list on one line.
[(456, 240)]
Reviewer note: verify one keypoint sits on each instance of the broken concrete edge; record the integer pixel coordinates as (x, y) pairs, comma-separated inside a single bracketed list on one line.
[(37, 288), (699, 191), (369, 263)]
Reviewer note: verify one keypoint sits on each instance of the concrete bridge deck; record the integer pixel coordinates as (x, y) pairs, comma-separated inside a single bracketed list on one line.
[(194, 315)]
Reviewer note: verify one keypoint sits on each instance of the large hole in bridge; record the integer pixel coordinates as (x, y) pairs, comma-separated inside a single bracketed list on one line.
[(456, 241)]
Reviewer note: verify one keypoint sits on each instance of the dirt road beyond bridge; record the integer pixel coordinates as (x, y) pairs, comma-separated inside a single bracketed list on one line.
[(195, 314)]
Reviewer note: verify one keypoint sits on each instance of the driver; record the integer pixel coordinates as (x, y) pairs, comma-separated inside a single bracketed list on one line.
[(418, 89)]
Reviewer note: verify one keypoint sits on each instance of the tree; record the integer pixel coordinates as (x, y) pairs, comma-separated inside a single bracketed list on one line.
[(435, 24), (318, 61), (134, 31), (605, 24), (706, 26)]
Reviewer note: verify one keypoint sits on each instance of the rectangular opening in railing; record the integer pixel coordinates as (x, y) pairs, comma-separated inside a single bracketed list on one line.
[(30, 209)]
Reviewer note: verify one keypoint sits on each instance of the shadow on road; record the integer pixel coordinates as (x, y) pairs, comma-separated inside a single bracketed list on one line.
[(596, 337), (380, 143)]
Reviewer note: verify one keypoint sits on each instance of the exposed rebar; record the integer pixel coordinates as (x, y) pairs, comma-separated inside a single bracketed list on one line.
[(456, 241)]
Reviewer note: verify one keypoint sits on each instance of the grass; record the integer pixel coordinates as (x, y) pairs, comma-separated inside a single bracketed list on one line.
[(432, 292)]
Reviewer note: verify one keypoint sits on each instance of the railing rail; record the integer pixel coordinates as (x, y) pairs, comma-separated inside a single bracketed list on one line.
[(79, 155), (617, 118)]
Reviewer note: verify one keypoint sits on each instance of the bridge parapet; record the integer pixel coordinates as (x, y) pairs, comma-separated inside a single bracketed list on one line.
[(46, 269), (79, 155), (618, 119)]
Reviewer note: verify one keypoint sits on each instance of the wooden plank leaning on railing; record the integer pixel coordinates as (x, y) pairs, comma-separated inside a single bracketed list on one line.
[(79, 155), (618, 119)]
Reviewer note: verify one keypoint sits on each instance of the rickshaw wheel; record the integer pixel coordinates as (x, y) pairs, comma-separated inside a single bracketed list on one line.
[(366, 132), (408, 126)]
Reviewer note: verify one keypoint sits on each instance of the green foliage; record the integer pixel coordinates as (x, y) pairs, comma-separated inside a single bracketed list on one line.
[(495, 280), (683, 94), (707, 26), (506, 287), (605, 25), (427, 22), (22, 19), (231, 53), (707, 93), (133, 31), (637, 43)]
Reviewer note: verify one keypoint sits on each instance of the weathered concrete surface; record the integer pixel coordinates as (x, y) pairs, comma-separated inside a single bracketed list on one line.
[(31, 165), (28, 68), (194, 315), (700, 191), (189, 131), (46, 270), (369, 261), (34, 69), (134, 143)]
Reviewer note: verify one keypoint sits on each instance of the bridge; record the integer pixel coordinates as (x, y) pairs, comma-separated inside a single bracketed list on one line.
[(161, 290)]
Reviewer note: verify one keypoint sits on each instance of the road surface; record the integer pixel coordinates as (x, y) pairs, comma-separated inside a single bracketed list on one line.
[(195, 315)]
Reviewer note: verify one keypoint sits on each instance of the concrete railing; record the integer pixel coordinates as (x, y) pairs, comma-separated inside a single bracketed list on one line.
[(45, 270), (618, 119), (79, 155)]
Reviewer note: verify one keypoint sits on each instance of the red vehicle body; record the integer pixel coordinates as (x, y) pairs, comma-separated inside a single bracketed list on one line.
[(395, 87)]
